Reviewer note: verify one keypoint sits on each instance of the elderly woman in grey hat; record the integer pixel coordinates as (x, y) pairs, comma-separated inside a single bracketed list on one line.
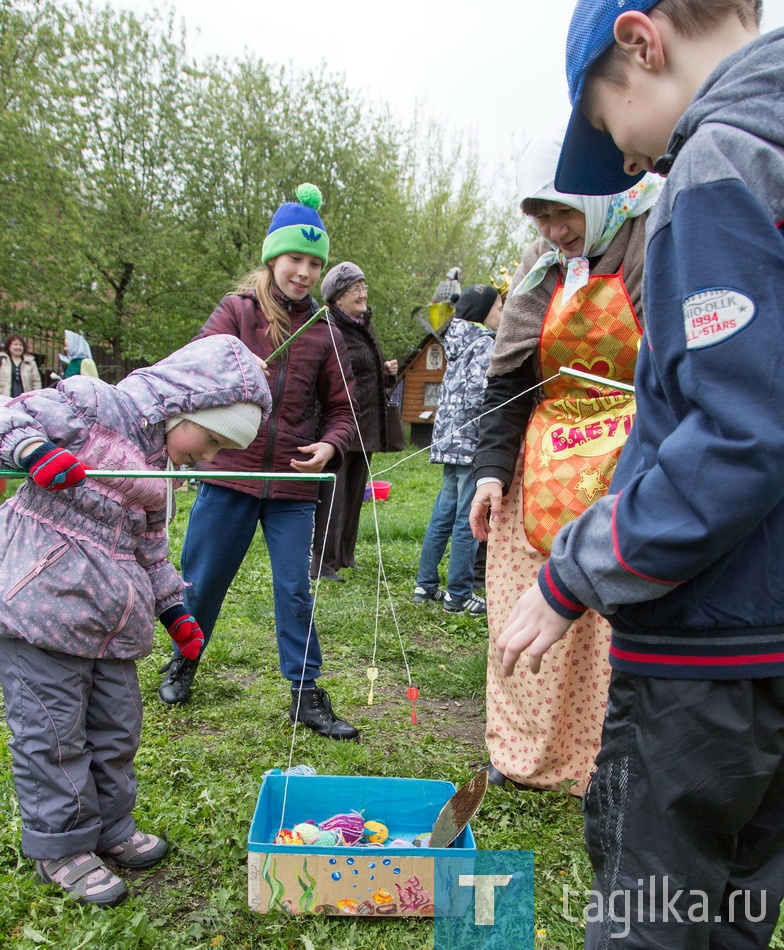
[(345, 291)]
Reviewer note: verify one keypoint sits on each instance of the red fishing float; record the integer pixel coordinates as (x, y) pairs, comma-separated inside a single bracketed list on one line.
[(413, 694)]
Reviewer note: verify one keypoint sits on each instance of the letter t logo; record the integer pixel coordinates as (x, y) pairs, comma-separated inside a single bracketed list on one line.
[(484, 884)]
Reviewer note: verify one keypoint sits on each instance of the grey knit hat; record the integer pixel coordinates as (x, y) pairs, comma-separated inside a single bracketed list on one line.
[(239, 422), (338, 279)]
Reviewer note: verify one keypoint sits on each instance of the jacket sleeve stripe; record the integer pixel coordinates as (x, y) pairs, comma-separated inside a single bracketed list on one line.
[(558, 600)]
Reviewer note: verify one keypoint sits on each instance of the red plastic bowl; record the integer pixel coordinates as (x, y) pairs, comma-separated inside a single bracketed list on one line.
[(380, 490)]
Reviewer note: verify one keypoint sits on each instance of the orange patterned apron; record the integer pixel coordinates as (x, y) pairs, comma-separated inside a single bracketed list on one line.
[(577, 431)]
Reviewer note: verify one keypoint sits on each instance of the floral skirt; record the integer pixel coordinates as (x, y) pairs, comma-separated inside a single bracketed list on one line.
[(542, 730)]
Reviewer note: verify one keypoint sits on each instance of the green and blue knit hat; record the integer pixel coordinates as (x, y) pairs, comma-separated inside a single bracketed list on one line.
[(297, 228)]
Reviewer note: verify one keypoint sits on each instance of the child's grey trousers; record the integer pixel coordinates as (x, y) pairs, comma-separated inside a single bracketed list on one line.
[(75, 725)]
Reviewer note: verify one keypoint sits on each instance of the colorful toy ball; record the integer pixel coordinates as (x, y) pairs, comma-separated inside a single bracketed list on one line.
[(376, 832), (307, 830), (327, 839), (350, 827)]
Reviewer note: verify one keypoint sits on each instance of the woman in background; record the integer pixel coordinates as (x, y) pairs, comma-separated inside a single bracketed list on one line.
[(345, 290), (18, 369), (78, 357)]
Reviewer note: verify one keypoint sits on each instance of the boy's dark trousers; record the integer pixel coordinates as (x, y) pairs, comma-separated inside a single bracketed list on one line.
[(685, 815)]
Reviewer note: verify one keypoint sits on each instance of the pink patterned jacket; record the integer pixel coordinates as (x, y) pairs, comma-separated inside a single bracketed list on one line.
[(85, 571)]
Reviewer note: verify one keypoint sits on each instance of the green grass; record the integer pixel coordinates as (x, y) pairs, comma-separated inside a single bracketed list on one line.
[(200, 766)]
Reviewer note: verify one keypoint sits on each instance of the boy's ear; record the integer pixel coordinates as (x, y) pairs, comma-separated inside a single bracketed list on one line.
[(639, 37)]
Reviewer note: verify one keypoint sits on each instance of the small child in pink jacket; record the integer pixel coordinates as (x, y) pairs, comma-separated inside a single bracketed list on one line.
[(84, 575)]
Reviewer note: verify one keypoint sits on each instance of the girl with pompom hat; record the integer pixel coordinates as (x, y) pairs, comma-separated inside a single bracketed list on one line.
[(311, 427)]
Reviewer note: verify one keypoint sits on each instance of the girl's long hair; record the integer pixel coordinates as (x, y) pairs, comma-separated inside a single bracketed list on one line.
[(261, 283)]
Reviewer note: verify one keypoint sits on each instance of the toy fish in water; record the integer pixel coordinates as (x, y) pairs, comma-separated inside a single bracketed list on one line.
[(376, 832)]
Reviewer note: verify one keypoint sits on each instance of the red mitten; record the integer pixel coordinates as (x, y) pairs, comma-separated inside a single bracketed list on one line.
[(54, 468), (184, 630)]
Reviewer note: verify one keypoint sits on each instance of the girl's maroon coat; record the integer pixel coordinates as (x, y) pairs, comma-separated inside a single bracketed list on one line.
[(307, 388)]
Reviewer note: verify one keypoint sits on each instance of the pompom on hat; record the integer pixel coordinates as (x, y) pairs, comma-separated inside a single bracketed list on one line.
[(296, 227), (239, 422), (591, 163)]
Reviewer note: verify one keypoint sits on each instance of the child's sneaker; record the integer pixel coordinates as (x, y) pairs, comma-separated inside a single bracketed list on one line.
[(472, 605), (84, 877), (424, 595), (138, 851)]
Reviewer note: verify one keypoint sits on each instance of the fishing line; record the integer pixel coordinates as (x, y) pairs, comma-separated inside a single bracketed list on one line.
[(372, 671), (381, 577), (463, 426)]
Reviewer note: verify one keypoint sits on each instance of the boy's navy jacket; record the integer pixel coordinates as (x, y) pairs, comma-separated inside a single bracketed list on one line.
[(685, 556)]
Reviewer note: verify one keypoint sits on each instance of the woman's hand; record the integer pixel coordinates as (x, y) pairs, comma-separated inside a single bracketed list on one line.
[(532, 625), (322, 452), (390, 368), (487, 500)]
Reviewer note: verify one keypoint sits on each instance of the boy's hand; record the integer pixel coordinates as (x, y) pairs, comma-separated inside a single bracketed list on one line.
[(184, 631), (486, 500), (53, 468), (532, 625), (322, 452)]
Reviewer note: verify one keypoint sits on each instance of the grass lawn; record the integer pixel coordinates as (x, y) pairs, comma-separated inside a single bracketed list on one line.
[(200, 766)]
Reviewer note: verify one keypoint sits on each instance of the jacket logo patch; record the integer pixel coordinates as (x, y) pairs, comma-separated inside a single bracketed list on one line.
[(714, 315), (310, 235)]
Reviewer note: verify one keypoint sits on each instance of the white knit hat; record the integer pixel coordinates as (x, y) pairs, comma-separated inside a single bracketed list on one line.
[(238, 422)]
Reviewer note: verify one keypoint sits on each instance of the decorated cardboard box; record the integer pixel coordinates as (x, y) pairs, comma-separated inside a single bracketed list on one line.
[(359, 880)]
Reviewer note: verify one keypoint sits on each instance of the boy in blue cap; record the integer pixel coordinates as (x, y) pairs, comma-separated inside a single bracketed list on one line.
[(685, 813)]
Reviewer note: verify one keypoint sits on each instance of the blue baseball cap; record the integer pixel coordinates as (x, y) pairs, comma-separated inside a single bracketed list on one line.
[(591, 163)]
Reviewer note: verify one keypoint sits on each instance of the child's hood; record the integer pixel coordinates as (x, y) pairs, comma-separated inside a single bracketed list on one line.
[(214, 371), (744, 92), (462, 335)]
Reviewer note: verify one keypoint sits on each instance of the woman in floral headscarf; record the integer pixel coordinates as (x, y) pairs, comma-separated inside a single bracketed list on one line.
[(547, 454)]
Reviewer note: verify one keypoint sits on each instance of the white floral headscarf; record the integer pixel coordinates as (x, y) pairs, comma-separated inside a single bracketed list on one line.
[(604, 214), (78, 348)]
